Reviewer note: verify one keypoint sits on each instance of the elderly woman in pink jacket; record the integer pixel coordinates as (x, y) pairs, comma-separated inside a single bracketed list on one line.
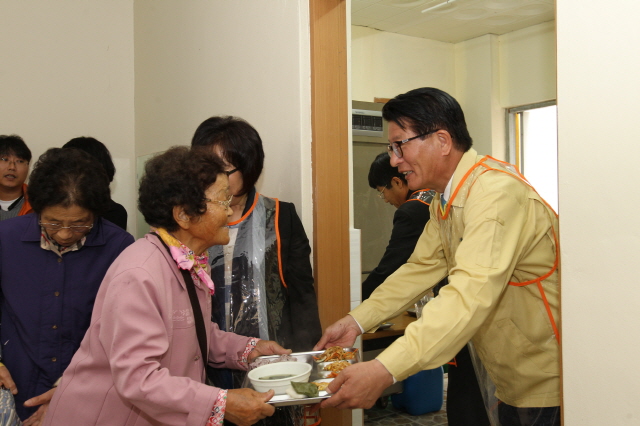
[(141, 361)]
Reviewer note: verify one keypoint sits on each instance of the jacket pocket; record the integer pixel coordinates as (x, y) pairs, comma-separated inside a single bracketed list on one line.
[(530, 355)]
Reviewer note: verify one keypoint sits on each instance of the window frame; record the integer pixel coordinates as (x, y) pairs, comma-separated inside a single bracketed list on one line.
[(514, 130)]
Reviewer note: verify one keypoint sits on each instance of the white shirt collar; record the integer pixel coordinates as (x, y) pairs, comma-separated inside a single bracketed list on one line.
[(447, 190)]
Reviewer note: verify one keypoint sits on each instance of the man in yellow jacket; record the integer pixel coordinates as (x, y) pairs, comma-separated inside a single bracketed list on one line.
[(496, 239)]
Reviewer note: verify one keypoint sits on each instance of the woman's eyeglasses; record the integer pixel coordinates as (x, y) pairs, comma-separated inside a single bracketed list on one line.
[(230, 172), (57, 227), (225, 203), (396, 146)]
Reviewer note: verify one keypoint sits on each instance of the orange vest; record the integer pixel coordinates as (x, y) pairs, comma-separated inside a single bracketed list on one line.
[(26, 207), (489, 163)]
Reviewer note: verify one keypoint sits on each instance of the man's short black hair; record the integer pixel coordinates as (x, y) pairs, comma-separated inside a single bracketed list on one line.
[(382, 172), (14, 145), (426, 110)]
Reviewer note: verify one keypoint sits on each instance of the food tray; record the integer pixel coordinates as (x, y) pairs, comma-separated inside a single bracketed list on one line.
[(317, 375)]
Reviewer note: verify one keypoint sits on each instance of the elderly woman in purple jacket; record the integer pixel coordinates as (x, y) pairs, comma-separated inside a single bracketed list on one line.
[(141, 361), (51, 265)]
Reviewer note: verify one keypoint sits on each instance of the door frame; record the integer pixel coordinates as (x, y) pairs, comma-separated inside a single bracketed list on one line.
[(330, 167)]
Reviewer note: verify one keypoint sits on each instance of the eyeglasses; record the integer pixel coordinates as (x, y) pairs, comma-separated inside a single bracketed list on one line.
[(225, 203), (57, 227), (396, 147), (381, 193), (230, 172), (17, 161)]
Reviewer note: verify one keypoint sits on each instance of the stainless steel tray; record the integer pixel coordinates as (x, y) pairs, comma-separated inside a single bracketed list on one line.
[(317, 374)]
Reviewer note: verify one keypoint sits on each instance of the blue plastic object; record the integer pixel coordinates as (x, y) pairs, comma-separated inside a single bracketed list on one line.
[(422, 393)]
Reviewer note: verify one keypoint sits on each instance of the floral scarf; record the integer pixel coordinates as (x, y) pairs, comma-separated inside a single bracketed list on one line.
[(186, 259)]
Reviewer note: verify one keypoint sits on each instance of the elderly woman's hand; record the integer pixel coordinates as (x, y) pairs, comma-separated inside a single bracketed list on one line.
[(267, 347), (246, 406), (6, 381), (42, 402)]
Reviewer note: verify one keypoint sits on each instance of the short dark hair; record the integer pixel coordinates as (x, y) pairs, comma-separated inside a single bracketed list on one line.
[(382, 172), (14, 145), (68, 177), (240, 144), (426, 110), (178, 177), (96, 149)]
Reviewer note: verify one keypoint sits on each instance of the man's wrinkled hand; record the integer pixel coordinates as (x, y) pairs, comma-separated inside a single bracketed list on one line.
[(358, 386), (341, 333)]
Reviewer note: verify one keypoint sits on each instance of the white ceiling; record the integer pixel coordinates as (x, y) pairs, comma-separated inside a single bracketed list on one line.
[(456, 21)]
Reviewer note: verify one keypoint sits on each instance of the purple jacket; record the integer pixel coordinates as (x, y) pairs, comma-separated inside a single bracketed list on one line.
[(47, 300), (139, 363)]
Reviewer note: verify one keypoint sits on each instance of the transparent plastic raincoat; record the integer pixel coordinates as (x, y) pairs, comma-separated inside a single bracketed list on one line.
[(264, 287)]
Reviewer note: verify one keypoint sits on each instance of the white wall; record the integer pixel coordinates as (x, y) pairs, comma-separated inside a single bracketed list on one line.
[(386, 64), (67, 71), (598, 103), (201, 58), (528, 65), (498, 72), (486, 74), (478, 92)]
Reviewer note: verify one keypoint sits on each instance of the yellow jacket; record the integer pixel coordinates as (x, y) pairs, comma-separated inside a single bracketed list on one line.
[(496, 232)]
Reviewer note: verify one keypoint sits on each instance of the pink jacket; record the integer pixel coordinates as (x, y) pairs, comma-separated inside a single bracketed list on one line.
[(139, 363)]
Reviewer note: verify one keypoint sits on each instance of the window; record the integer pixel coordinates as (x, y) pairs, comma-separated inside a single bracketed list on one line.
[(533, 147)]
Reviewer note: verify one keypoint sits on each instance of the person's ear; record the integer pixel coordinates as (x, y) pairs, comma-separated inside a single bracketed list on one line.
[(397, 181), (181, 217), (445, 140)]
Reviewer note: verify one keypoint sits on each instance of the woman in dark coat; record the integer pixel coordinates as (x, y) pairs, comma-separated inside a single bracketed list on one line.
[(51, 265), (263, 277)]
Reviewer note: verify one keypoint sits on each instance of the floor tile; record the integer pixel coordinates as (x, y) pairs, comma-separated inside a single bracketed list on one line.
[(391, 416)]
